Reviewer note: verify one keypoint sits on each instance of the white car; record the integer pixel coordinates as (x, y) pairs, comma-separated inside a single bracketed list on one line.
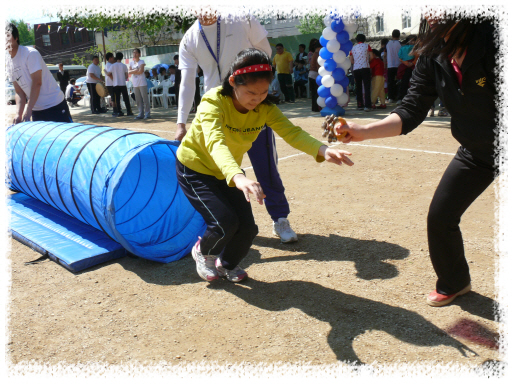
[(10, 93), (81, 85)]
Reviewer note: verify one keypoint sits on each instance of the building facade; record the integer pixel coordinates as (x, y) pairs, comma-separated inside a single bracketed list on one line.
[(58, 44)]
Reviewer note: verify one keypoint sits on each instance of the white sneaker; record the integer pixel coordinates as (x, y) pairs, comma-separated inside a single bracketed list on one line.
[(284, 231), (205, 265), (234, 275)]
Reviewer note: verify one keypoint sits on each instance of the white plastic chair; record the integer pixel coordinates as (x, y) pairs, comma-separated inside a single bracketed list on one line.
[(156, 98), (87, 98)]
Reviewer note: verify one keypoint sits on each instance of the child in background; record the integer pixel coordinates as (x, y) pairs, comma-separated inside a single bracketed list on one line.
[(274, 89), (227, 122), (300, 75), (407, 62), (71, 97), (377, 67)]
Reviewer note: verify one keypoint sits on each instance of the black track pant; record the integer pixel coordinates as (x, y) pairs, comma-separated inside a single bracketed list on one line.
[(94, 100), (230, 226), (118, 91), (464, 180), (363, 78), (392, 88)]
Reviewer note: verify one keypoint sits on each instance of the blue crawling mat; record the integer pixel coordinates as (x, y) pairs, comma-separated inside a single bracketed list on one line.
[(66, 240)]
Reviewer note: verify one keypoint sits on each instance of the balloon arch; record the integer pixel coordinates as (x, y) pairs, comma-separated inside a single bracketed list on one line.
[(334, 64)]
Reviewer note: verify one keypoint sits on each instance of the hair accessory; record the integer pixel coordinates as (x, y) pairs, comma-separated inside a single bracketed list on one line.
[(253, 68)]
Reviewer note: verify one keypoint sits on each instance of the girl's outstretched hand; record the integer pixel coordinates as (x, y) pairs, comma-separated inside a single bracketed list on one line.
[(336, 156), (248, 186), (354, 132)]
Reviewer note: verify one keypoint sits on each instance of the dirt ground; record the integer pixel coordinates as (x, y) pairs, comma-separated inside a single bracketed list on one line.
[(352, 289)]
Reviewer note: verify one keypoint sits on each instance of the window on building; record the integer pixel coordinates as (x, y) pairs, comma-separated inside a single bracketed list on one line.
[(379, 24), (406, 21), (78, 36), (91, 35), (64, 38), (46, 41)]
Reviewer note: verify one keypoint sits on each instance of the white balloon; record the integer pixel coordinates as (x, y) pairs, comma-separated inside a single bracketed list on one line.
[(345, 65), (342, 99), (333, 45), (323, 72), (327, 21), (321, 60), (328, 81), (339, 57), (336, 90), (328, 33), (350, 28), (321, 101)]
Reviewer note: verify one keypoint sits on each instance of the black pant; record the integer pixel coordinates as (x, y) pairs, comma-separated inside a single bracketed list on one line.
[(404, 83), (363, 77), (300, 88), (286, 84), (463, 181), (95, 98), (118, 90), (197, 95), (392, 89), (230, 224), (313, 90), (58, 113)]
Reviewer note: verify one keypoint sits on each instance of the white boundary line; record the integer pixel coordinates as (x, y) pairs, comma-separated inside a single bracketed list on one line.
[(355, 144), (371, 146)]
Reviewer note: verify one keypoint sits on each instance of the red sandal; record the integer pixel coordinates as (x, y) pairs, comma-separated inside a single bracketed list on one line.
[(436, 299)]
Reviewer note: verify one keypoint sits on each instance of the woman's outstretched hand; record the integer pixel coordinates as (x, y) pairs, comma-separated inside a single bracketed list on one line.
[(336, 156), (354, 132), (248, 186)]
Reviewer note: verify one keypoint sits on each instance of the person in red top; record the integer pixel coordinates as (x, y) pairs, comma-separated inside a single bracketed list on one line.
[(377, 67)]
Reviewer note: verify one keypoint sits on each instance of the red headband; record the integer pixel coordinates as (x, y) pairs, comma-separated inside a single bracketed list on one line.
[(253, 68)]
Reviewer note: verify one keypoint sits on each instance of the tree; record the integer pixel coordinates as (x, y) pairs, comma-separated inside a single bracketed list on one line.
[(145, 28), (311, 23), (26, 35)]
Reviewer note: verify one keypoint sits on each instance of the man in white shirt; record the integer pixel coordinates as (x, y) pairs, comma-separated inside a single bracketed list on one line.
[(108, 79), (226, 39), (94, 77), (392, 49), (119, 78), (32, 80)]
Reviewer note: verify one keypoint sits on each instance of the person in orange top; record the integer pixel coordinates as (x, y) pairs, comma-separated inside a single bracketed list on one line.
[(377, 68)]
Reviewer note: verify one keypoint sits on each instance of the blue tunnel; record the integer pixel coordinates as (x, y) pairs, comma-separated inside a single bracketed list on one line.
[(118, 181)]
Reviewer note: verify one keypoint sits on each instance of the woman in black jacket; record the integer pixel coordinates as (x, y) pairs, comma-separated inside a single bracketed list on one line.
[(456, 63)]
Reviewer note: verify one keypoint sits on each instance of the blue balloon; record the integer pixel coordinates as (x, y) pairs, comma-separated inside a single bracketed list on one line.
[(347, 47), (337, 26), (338, 74), (344, 82), (319, 80), (325, 54), (330, 65), (323, 41), (323, 91), (343, 37), (331, 102)]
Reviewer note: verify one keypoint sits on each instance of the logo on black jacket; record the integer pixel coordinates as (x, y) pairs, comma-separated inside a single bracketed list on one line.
[(481, 82)]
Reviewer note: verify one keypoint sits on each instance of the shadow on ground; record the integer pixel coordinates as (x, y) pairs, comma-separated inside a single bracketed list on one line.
[(348, 315), (369, 256)]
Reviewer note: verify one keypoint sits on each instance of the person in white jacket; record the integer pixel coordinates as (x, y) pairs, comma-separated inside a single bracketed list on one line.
[(213, 43)]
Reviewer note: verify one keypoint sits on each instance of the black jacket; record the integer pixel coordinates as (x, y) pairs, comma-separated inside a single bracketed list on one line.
[(63, 80), (472, 106)]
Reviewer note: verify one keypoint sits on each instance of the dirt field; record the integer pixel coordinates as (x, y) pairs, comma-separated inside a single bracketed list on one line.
[(352, 289)]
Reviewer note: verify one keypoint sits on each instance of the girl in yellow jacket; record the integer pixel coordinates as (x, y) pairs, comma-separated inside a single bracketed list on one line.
[(227, 122)]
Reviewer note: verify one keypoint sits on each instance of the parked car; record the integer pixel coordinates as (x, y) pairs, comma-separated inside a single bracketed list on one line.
[(10, 93), (81, 85)]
